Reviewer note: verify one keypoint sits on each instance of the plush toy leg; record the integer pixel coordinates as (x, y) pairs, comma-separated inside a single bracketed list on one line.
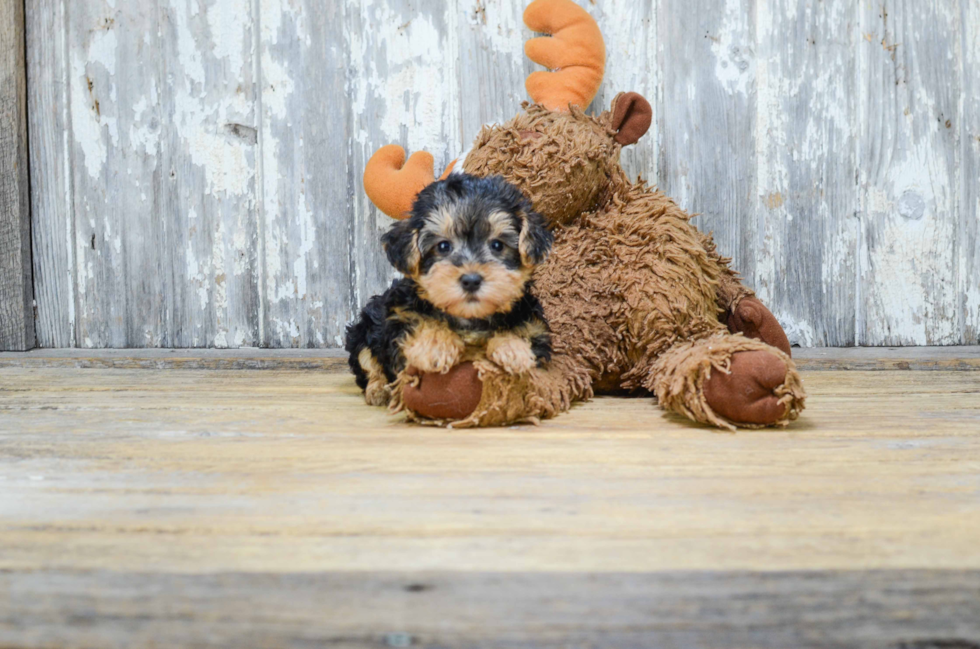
[(751, 318), (481, 394), (728, 381), (453, 395)]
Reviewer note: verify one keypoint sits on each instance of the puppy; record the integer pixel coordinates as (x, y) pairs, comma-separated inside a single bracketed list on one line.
[(467, 252)]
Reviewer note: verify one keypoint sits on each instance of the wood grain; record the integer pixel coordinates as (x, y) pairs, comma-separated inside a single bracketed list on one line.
[(492, 65), (197, 163), (53, 231), (908, 160), (806, 208), (16, 284), (242, 508), (632, 43), (192, 471), (900, 609), (866, 359), (305, 136), (162, 175), (708, 64), (320, 360), (405, 91), (969, 174), (209, 176)]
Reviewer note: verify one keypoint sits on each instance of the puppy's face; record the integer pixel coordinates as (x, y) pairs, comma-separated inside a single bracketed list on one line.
[(470, 244)]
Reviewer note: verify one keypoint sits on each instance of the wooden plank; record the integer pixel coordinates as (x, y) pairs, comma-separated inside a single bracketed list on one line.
[(319, 360), (163, 126), (197, 471), (708, 164), (969, 174), (917, 609), (881, 358), (116, 203), (276, 509), (908, 156), (16, 284), (807, 198), (305, 174), (207, 178), (335, 360), (492, 65), (404, 90), (630, 31), (53, 228)]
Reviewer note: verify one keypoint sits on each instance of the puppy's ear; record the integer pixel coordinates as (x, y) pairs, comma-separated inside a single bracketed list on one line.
[(535, 241), (401, 244)]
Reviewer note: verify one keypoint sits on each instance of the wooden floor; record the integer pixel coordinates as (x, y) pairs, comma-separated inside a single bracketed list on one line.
[(198, 503)]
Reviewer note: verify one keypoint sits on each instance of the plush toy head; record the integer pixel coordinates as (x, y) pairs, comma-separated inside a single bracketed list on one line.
[(561, 158), (470, 245), (563, 161)]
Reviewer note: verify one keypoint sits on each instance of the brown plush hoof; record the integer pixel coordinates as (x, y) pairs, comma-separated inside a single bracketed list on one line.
[(753, 320), (747, 394), (453, 395)]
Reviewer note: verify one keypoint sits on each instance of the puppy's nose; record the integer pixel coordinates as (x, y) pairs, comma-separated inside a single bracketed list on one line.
[(471, 282)]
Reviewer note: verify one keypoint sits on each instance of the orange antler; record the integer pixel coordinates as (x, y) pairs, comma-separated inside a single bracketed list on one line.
[(393, 187), (575, 52)]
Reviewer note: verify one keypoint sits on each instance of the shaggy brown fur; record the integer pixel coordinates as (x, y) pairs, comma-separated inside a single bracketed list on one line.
[(632, 291)]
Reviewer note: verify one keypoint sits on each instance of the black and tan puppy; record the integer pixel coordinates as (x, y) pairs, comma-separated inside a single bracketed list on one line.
[(467, 251)]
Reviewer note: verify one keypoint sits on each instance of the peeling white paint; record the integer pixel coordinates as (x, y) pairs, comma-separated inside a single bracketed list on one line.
[(407, 69), (200, 119), (734, 58), (88, 121)]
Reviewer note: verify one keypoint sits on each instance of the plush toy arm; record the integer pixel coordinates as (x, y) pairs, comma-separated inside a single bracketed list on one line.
[(392, 184), (738, 307)]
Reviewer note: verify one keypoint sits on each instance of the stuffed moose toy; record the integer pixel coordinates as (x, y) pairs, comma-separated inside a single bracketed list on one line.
[(638, 300)]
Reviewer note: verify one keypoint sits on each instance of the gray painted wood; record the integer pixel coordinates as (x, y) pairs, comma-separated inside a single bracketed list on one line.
[(907, 159), (914, 609), (403, 89), (492, 64), (630, 31), (159, 221), (812, 359), (220, 174), (806, 245), (207, 183), (16, 287), (53, 231), (969, 178), (305, 173), (708, 63)]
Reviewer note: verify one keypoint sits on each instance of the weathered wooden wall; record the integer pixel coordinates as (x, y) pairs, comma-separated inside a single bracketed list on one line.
[(196, 163), (16, 297)]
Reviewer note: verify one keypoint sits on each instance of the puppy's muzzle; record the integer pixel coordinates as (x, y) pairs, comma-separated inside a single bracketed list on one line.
[(471, 282)]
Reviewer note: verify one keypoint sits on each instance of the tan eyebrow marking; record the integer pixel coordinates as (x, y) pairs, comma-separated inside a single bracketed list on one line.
[(501, 224), (441, 223)]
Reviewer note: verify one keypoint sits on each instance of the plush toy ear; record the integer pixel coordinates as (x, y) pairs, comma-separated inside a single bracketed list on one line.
[(631, 116), (401, 244), (535, 239)]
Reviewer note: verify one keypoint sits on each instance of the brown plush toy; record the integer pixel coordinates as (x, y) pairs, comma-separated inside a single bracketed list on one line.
[(639, 301)]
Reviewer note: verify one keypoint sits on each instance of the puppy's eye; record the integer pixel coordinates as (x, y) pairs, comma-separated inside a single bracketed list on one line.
[(444, 247), (497, 245)]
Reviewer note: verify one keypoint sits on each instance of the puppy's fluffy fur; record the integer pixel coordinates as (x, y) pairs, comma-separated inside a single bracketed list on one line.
[(467, 252)]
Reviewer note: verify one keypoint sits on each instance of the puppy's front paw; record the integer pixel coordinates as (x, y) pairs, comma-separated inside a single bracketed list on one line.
[(511, 353), (377, 393), (433, 350)]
